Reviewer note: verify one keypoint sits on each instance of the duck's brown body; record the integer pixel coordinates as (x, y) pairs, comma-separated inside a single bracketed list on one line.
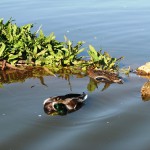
[(104, 76), (69, 102)]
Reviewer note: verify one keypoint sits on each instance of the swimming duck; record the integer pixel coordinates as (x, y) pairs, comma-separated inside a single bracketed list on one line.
[(104, 76), (63, 104)]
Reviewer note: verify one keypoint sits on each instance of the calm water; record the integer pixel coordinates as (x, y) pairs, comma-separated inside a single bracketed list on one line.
[(115, 119)]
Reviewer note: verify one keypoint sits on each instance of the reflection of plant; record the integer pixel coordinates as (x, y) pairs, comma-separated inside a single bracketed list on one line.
[(14, 76), (93, 85)]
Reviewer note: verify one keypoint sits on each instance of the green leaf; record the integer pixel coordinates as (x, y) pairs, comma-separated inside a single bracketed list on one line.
[(11, 57), (1, 20), (105, 61), (93, 54), (66, 62), (92, 50), (50, 38), (2, 48), (49, 46), (18, 44), (41, 34), (79, 51), (107, 54), (66, 52), (14, 30), (41, 53), (39, 46), (38, 62), (35, 50)]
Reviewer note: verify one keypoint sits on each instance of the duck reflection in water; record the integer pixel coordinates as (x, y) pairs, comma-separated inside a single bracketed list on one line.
[(64, 104), (102, 76)]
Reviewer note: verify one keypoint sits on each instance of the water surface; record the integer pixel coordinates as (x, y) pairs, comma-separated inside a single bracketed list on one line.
[(116, 118)]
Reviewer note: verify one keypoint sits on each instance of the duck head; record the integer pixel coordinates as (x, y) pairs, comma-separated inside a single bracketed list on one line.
[(60, 108), (51, 108)]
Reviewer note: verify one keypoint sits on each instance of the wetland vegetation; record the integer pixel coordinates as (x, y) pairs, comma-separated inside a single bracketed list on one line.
[(19, 48), (24, 54)]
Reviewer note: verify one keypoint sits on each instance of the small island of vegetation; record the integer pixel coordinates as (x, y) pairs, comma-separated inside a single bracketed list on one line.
[(20, 48)]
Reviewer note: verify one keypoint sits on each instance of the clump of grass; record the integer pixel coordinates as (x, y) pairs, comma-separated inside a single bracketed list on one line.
[(35, 49)]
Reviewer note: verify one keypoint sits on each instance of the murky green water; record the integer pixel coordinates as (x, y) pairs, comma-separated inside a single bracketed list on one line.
[(116, 118)]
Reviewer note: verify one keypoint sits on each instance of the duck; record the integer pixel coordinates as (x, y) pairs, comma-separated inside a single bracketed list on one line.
[(63, 104), (104, 76)]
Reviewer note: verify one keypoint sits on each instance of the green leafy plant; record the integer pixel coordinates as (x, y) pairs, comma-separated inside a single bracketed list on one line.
[(102, 60), (36, 49), (18, 43), (14, 41)]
